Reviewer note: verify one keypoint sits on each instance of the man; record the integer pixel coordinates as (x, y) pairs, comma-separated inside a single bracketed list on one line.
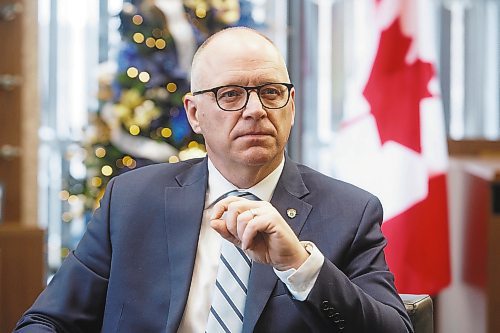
[(149, 261)]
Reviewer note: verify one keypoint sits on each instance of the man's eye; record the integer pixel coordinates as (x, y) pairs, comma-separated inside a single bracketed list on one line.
[(269, 91), (230, 93)]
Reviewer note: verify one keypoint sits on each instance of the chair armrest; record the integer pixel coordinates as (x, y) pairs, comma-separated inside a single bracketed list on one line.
[(420, 310)]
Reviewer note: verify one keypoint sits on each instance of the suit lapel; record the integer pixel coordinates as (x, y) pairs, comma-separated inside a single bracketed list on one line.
[(287, 195), (183, 214)]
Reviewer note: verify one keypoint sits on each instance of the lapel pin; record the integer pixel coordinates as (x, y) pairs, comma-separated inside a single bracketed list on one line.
[(291, 212)]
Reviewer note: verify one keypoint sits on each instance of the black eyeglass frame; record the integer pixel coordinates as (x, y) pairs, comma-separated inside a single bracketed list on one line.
[(248, 90)]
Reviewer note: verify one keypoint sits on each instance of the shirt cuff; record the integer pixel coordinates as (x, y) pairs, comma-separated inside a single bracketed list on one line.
[(301, 281)]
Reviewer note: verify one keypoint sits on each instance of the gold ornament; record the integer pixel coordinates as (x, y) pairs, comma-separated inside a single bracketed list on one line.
[(193, 152), (227, 11), (131, 98)]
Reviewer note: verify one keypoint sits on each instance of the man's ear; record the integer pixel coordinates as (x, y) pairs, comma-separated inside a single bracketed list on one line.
[(292, 101), (192, 112)]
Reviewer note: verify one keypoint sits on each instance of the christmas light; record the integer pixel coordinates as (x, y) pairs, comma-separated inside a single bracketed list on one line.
[(171, 87), (137, 19), (138, 37), (72, 199), (128, 8), (64, 195), (144, 77), (157, 33), (150, 42), (166, 132), (134, 130), (96, 181), (160, 44), (106, 170), (67, 217), (100, 152), (201, 12), (132, 72), (127, 160)]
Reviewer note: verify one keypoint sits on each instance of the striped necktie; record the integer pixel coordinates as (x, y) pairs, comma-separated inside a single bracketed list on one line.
[(230, 292)]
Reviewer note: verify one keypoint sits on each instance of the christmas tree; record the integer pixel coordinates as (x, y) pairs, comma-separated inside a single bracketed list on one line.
[(141, 119)]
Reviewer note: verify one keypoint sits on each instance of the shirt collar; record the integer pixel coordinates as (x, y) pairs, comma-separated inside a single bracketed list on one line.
[(218, 185)]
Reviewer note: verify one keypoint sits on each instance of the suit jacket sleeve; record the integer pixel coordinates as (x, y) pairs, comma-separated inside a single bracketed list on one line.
[(361, 296), (74, 299)]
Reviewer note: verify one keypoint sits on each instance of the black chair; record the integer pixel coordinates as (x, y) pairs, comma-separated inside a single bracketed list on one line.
[(420, 310)]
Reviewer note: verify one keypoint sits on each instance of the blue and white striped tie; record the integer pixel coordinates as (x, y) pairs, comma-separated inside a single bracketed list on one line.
[(230, 292)]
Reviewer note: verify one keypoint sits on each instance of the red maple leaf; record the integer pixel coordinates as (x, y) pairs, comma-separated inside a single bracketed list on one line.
[(395, 88)]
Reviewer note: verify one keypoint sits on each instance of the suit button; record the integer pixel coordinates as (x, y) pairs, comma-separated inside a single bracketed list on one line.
[(325, 305), (340, 324), (336, 318), (331, 313)]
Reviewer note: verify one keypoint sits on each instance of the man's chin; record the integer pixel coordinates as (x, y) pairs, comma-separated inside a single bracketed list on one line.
[(259, 156)]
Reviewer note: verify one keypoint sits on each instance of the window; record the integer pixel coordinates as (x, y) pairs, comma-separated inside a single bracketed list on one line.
[(326, 38)]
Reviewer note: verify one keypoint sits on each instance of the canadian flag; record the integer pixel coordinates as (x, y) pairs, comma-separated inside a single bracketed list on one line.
[(392, 140)]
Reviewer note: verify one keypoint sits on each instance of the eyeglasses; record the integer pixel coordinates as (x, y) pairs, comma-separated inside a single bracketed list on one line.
[(235, 98)]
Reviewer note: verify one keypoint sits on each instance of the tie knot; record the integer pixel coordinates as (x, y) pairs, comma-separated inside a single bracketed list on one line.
[(237, 193)]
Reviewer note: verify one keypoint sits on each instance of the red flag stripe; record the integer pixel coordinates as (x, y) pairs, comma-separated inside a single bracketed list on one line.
[(418, 247)]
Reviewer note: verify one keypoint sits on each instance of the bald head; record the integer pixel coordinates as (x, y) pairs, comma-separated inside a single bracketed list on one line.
[(235, 44)]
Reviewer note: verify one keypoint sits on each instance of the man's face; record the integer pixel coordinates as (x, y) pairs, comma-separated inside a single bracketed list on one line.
[(253, 137)]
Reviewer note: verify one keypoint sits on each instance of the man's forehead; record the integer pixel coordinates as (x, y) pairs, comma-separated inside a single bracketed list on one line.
[(237, 43), (238, 53), (237, 34)]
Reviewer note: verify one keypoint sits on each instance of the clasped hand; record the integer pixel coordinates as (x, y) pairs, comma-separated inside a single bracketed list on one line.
[(258, 229)]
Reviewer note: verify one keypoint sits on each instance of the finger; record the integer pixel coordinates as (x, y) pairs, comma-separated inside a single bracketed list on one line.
[(242, 220), (249, 216), (259, 224), (220, 207), (217, 212), (240, 202), (235, 209), (225, 218), (231, 219), (220, 226)]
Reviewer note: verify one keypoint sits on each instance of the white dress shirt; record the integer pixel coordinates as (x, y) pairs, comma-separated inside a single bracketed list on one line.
[(299, 282)]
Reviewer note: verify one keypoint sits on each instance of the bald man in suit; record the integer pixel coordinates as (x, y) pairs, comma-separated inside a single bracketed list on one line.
[(148, 261)]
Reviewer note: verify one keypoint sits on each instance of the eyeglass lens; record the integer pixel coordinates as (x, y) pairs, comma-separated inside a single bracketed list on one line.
[(233, 98)]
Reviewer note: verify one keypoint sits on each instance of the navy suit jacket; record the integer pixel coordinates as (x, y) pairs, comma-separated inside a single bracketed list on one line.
[(132, 270)]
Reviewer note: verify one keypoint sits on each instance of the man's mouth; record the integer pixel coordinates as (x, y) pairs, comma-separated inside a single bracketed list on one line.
[(257, 134)]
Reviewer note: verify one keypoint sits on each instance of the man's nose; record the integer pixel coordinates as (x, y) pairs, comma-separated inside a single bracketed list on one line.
[(254, 106)]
